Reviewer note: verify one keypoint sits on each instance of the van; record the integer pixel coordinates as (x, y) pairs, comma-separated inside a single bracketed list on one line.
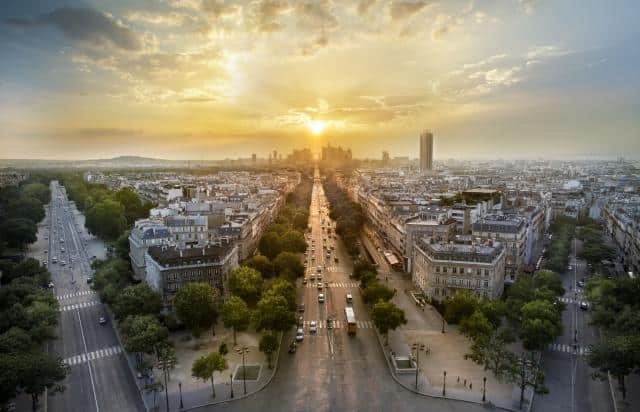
[(349, 298)]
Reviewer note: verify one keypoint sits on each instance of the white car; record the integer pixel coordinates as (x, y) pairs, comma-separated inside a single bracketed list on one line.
[(321, 298), (349, 298), (313, 327), (300, 335), (320, 285)]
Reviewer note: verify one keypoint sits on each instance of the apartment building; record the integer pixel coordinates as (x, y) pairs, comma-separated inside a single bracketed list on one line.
[(511, 230), (145, 233)]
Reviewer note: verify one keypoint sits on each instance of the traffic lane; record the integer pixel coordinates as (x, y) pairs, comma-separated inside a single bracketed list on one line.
[(591, 394), (69, 342), (97, 336), (558, 368), (78, 393), (116, 389)]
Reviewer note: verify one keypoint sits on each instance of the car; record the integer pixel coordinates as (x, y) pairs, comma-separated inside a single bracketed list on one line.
[(304, 281), (300, 321), (320, 285), (301, 308), (319, 269), (300, 335), (44, 263), (319, 276), (584, 305), (90, 280), (312, 276), (63, 263), (321, 298), (349, 298), (102, 320), (581, 283), (46, 251), (51, 285), (313, 327)]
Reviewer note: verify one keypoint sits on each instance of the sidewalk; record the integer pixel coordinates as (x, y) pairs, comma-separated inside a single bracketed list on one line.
[(446, 353), (197, 393)]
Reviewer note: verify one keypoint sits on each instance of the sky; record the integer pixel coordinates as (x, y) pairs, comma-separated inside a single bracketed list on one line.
[(214, 79)]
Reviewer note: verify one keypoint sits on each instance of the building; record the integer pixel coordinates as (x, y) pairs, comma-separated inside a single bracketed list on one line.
[(442, 269), (170, 268), (511, 230), (334, 157), (385, 158), (145, 233), (426, 152)]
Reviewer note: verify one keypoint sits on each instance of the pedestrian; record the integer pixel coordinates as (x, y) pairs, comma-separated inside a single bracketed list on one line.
[(465, 383), (458, 379), (470, 386)]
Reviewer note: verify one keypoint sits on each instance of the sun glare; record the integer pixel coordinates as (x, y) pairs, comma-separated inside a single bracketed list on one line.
[(317, 126)]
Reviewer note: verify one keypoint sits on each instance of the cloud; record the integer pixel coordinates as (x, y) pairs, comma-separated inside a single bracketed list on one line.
[(365, 5), (218, 8), (87, 26), (400, 10), (264, 15), (316, 14), (542, 52), (528, 5), (445, 24), (102, 132)]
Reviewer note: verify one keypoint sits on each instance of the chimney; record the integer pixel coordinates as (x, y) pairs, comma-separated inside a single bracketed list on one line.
[(180, 252)]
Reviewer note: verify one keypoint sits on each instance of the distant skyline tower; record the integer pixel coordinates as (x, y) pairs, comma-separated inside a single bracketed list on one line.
[(385, 158), (426, 152), (254, 158), (275, 155)]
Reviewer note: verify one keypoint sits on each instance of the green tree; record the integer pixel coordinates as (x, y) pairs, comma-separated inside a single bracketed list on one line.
[(263, 265), (289, 264), (491, 351), (460, 306), (270, 245), (131, 202), (387, 316), (38, 191), (272, 313), (366, 278), (293, 241), (197, 306), (548, 279), (18, 232), (268, 345), (38, 371), (144, 334), (206, 366), (15, 339), (617, 355), (26, 207), (121, 246), (106, 219), (541, 324), (236, 315), (283, 287), (376, 291), (476, 326), (137, 299), (246, 283)]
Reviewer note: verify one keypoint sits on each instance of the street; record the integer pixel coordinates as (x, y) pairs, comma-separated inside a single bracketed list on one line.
[(332, 371), (99, 379), (568, 376)]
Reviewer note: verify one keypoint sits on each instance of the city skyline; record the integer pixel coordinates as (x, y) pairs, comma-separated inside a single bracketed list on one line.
[(209, 79)]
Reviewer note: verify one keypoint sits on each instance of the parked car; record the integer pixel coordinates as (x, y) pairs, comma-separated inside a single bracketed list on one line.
[(102, 320), (584, 305)]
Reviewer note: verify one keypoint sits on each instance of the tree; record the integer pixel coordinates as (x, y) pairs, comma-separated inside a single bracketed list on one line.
[(236, 315), (541, 323), (18, 232), (26, 207), (367, 278), (137, 299), (131, 202), (144, 334), (460, 306), (167, 361), (205, 366), (362, 266), (263, 265), (197, 306), (617, 355), (376, 291), (273, 313), (531, 375), (15, 339), (38, 191), (38, 371), (283, 287), (288, 264), (268, 345), (387, 316), (121, 246), (549, 280), (492, 353), (293, 241), (106, 219), (246, 283), (476, 326), (270, 245)]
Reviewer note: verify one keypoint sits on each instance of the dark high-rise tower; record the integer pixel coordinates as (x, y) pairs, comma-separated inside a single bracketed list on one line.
[(426, 152)]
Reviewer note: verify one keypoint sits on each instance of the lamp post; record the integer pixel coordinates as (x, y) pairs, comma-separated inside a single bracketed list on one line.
[(444, 384), (244, 350), (417, 347), (180, 390), (484, 389), (443, 324), (231, 380)]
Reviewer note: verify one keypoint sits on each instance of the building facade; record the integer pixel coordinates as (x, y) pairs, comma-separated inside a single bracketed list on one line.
[(426, 152)]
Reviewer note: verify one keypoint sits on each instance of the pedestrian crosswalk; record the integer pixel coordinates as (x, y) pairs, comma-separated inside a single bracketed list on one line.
[(579, 350), (73, 295), (334, 285), (339, 324), (570, 300), (96, 354), (78, 305)]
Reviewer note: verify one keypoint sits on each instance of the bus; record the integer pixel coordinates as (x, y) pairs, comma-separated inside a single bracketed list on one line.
[(351, 320)]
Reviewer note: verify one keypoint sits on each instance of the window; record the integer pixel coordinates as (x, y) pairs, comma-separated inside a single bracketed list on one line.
[(455, 269)]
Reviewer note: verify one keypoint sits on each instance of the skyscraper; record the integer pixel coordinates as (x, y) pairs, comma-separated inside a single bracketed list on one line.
[(426, 152)]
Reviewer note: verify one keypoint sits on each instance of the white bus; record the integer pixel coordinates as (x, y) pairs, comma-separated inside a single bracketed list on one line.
[(351, 320)]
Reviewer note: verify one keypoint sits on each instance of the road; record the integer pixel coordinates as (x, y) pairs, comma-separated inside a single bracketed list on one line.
[(99, 379), (568, 376), (332, 371)]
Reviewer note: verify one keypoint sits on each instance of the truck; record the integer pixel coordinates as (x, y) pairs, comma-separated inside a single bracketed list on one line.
[(351, 320)]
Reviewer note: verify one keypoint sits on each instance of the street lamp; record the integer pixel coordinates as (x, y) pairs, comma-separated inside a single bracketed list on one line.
[(231, 380), (442, 324), (244, 350), (180, 389), (444, 384), (417, 347), (484, 389)]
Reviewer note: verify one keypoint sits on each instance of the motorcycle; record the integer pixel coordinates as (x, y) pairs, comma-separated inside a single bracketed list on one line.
[(292, 347)]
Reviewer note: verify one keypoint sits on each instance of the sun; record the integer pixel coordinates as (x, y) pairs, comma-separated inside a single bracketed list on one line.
[(316, 126)]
